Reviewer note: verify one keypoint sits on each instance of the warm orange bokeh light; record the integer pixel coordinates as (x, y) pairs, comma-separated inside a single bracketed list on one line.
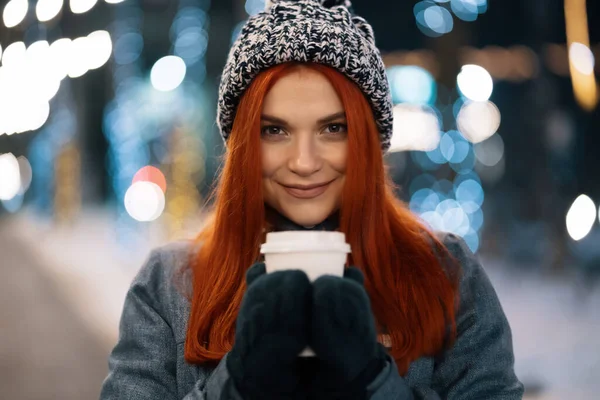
[(151, 174)]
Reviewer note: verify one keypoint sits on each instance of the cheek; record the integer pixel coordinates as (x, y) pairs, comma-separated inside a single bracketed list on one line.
[(339, 160), (269, 162)]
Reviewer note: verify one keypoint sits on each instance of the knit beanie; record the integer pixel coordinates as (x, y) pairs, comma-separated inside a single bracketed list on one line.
[(318, 31)]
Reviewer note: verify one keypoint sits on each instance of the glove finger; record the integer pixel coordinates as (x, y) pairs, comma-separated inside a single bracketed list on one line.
[(254, 272), (355, 274)]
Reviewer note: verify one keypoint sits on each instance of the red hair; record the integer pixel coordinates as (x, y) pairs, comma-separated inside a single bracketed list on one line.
[(409, 275)]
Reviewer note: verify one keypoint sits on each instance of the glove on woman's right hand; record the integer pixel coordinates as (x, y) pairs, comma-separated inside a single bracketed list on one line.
[(272, 329)]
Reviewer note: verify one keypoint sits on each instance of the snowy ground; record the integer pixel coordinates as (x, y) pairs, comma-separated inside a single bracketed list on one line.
[(74, 279)]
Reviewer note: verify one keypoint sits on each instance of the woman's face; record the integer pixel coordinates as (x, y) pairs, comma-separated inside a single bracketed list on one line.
[(304, 147)]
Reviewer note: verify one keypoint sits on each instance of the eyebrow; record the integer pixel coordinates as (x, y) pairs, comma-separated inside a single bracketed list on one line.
[(330, 118)]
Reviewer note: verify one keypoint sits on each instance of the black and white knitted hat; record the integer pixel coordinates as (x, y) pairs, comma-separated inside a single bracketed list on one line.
[(320, 31)]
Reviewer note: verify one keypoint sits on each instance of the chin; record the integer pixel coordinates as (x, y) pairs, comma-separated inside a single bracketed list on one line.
[(306, 217)]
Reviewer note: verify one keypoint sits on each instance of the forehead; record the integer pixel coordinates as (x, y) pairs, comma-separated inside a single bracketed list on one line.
[(302, 91)]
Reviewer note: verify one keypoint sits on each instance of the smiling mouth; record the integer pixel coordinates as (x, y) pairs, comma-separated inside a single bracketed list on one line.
[(307, 192)]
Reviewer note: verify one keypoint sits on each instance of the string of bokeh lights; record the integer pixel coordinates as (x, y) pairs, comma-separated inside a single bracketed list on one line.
[(30, 76), (153, 105)]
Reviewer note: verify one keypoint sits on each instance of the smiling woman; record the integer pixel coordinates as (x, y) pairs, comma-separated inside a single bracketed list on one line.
[(306, 121)]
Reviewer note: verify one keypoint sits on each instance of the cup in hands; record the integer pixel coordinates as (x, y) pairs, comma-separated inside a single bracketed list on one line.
[(316, 253)]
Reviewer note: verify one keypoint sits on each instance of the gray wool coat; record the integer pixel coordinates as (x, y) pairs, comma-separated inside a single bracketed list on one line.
[(148, 362)]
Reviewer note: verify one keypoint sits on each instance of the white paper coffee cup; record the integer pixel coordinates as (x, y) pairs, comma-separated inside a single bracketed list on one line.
[(316, 253)]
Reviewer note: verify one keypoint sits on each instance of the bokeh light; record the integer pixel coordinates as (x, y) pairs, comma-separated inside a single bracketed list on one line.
[(411, 84), (31, 76), (144, 201), (433, 20), (475, 83), (471, 193), (60, 56), (15, 12), (168, 73), (582, 58), (151, 174), (478, 121), (10, 176), (191, 44), (415, 128), (467, 10), (78, 65), (490, 151), (14, 54), (26, 173), (581, 217), (128, 48), (99, 49), (45, 10), (82, 6), (254, 6), (453, 147)]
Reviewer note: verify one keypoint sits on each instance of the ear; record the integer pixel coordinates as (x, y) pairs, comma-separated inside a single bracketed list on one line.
[(254, 272), (354, 274)]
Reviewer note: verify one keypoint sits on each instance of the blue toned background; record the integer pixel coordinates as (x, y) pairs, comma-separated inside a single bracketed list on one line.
[(109, 147)]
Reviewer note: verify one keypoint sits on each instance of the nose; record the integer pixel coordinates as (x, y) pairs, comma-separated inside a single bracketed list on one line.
[(305, 158)]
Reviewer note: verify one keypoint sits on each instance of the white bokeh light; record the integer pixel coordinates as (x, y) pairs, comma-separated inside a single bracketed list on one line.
[(415, 128), (582, 58), (38, 52), (10, 176), (40, 80), (114, 1), (78, 57), (26, 173), (144, 201), (475, 83), (45, 10), (39, 113), (99, 49), (15, 12), (168, 73), (581, 217), (14, 54), (60, 55), (82, 6), (477, 121)]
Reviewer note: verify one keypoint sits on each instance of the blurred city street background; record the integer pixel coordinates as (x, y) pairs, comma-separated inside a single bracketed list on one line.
[(108, 148)]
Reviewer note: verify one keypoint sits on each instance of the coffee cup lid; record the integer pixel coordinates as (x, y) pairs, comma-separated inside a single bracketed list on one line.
[(301, 241)]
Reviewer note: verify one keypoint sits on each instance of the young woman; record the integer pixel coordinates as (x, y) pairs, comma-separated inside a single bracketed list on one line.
[(306, 113)]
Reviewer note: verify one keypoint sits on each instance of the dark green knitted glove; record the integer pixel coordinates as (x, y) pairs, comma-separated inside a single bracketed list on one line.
[(272, 329), (344, 338)]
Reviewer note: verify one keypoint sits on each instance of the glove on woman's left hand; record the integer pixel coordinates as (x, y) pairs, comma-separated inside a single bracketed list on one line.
[(344, 338)]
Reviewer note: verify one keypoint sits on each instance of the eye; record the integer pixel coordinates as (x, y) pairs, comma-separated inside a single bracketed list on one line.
[(271, 130), (337, 128)]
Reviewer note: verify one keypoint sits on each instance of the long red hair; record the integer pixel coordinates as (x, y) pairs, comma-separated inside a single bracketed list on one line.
[(409, 275)]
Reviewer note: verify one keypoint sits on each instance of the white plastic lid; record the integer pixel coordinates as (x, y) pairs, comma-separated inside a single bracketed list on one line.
[(300, 241)]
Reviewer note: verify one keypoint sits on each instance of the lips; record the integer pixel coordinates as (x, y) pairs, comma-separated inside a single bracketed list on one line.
[(306, 192)]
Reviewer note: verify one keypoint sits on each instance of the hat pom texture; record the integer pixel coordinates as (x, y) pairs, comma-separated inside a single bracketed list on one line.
[(318, 31), (324, 3)]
